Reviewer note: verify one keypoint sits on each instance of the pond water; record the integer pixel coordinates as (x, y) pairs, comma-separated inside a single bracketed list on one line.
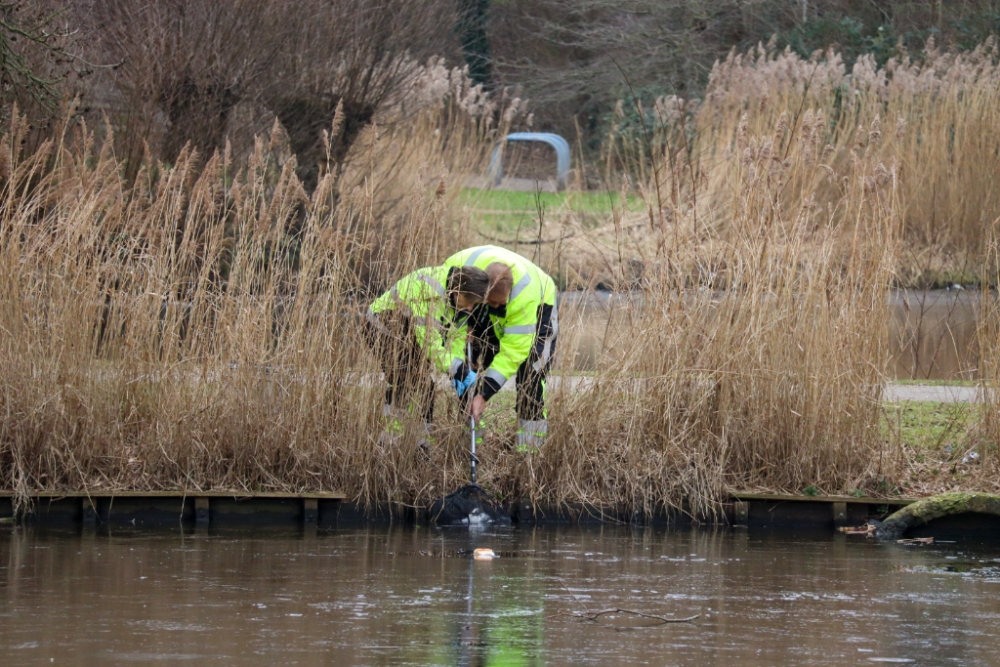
[(405, 596)]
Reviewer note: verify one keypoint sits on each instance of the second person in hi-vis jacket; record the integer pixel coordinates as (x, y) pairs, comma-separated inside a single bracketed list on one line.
[(513, 335)]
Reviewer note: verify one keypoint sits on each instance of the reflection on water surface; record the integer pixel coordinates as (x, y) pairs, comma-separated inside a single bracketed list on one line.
[(381, 596)]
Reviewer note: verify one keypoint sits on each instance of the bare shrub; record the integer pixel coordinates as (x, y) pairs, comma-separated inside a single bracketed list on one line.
[(187, 66), (182, 69)]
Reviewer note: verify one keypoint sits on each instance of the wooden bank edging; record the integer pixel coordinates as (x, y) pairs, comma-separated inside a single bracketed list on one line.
[(151, 508), (235, 508), (779, 510)]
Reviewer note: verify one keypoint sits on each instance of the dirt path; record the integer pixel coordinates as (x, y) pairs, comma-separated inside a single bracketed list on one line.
[(940, 394), (893, 392)]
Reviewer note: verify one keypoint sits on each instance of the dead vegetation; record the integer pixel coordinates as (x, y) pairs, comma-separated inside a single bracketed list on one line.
[(198, 326)]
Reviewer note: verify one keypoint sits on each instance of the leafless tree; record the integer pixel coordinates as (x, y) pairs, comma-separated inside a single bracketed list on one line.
[(352, 54), (187, 64), (35, 56), (579, 56), (572, 57)]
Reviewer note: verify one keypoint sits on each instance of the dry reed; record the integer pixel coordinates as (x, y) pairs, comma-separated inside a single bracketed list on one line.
[(201, 330), (932, 120), (982, 451)]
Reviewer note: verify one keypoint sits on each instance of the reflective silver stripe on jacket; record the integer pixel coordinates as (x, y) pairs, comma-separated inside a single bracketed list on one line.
[(519, 287), (430, 280), (522, 329), (496, 376), (474, 256), (455, 363)]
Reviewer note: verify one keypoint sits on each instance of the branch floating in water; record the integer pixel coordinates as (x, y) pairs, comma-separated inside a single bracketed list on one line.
[(594, 616)]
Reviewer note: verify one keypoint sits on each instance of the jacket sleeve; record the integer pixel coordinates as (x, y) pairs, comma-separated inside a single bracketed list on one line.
[(515, 347), (458, 338), (425, 309)]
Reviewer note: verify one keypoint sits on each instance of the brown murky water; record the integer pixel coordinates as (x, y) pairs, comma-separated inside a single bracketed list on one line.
[(382, 596), (931, 333)]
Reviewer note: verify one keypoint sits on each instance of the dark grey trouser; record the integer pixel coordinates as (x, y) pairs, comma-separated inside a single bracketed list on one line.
[(406, 367), (530, 378)]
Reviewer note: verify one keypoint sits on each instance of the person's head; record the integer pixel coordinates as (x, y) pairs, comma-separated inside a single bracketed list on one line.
[(467, 286), (501, 282)]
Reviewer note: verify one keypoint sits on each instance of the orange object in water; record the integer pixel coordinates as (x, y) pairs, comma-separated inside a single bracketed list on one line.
[(484, 554)]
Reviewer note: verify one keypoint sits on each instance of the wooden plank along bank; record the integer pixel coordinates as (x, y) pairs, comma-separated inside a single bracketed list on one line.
[(162, 508), (234, 508)]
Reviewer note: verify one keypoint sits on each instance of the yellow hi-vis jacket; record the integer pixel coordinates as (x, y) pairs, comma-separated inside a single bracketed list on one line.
[(516, 330), (439, 329)]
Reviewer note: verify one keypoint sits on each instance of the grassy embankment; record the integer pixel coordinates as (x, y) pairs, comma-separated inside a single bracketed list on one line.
[(138, 319)]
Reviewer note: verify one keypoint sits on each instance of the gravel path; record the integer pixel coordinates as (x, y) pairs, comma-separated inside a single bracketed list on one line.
[(923, 392), (893, 392)]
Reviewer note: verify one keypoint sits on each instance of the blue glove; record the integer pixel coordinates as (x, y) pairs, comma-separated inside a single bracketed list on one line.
[(462, 386)]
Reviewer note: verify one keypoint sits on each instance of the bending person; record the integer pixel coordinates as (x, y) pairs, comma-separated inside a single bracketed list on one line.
[(420, 326), (514, 333)]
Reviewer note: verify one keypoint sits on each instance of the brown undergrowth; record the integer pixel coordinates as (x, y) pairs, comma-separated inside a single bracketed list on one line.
[(201, 329)]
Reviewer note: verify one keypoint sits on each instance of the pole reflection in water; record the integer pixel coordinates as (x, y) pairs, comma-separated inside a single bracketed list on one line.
[(470, 653), (490, 633)]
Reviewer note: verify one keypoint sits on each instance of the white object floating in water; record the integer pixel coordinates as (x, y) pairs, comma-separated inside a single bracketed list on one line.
[(484, 554), (477, 518)]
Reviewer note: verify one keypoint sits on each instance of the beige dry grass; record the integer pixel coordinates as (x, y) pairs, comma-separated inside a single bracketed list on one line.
[(929, 122), (201, 329), (983, 441)]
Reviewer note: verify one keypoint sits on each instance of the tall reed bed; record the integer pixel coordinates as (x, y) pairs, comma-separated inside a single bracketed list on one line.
[(756, 357), (932, 119), (201, 328)]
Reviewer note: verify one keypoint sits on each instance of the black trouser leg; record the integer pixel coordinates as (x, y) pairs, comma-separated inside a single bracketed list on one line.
[(404, 364), (532, 373), (530, 393)]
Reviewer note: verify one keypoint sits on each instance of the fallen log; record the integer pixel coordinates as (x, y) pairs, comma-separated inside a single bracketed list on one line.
[(935, 507)]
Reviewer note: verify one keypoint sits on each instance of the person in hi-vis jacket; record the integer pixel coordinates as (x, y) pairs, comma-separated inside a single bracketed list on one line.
[(420, 326), (513, 335)]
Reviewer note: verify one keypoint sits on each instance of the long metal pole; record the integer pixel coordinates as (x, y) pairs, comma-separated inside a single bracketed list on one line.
[(472, 418)]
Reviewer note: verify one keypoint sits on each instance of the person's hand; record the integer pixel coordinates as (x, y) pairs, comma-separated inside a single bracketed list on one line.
[(462, 386), (477, 406)]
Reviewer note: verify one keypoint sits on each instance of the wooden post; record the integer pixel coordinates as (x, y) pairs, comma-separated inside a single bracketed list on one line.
[(741, 513), (310, 511), (840, 513), (201, 513), (88, 512)]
